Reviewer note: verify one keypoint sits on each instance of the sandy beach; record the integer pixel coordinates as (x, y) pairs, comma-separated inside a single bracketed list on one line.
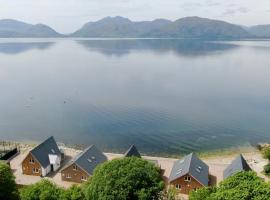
[(217, 163)]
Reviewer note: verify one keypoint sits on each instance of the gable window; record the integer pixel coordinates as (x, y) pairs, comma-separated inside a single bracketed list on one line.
[(68, 176), (187, 178), (75, 167), (83, 178), (178, 186), (31, 160)]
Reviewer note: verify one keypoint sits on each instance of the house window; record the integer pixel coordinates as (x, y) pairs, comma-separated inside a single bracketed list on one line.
[(178, 186), (68, 176), (75, 167), (83, 178), (187, 178), (31, 160), (35, 170)]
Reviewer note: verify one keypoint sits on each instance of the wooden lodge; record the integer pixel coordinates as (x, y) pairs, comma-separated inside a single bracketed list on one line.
[(43, 159), (189, 174), (82, 166)]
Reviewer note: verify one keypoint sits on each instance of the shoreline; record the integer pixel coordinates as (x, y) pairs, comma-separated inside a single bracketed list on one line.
[(225, 152), (217, 162)]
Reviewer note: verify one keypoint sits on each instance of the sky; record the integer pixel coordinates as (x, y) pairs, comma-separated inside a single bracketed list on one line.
[(66, 16)]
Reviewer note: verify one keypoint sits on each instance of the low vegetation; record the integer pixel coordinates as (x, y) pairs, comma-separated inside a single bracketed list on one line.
[(44, 190), (266, 155), (242, 186), (266, 152)]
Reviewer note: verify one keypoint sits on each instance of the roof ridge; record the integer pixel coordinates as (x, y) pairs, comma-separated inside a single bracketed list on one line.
[(132, 149), (191, 156), (83, 152), (42, 143)]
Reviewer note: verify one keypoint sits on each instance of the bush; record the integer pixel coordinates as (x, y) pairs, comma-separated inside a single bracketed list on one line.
[(267, 169), (202, 194), (266, 152), (8, 189), (242, 186), (43, 190), (75, 192), (125, 179)]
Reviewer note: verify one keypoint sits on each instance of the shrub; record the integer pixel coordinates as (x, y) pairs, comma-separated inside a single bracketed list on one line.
[(267, 169), (266, 152), (202, 194), (43, 190), (75, 192)]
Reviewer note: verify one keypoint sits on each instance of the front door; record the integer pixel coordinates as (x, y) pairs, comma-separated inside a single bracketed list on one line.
[(51, 168)]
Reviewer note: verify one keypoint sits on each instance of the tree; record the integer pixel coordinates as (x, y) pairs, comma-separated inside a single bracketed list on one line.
[(125, 179), (43, 190), (8, 189), (242, 186), (266, 152)]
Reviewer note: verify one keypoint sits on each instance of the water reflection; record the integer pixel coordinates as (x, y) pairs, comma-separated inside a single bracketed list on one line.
[(180, 47), (165, 96), (20, 47)]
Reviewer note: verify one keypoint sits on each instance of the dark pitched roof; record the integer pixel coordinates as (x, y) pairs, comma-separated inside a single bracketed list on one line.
[(42, 151), (237, 165), (89, 159), (192, 165), (132, 151)]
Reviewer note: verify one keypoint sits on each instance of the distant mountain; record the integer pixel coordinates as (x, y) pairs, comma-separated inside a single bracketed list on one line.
[(13, 28), (189, 27), (119, 27), (260, 30), (195, 27)]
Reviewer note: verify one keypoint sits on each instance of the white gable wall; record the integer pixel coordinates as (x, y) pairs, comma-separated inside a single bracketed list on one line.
[(45, 171), (55, 161)]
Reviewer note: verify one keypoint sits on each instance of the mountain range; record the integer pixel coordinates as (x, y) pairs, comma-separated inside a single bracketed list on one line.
[(12, 28), (120, 27)]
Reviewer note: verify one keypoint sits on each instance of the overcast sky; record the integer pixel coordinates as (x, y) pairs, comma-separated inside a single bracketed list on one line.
[(68, 15)]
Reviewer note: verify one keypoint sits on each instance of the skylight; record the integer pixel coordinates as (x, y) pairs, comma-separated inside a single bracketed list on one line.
[(181, 161), (179, 171), (199, 169)]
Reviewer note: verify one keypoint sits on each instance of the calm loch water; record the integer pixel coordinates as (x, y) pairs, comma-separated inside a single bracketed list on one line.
[(165, 96)]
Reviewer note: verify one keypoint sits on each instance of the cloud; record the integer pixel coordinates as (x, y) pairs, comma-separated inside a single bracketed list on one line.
[(213, 3), (191, 5), (235, 11)]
